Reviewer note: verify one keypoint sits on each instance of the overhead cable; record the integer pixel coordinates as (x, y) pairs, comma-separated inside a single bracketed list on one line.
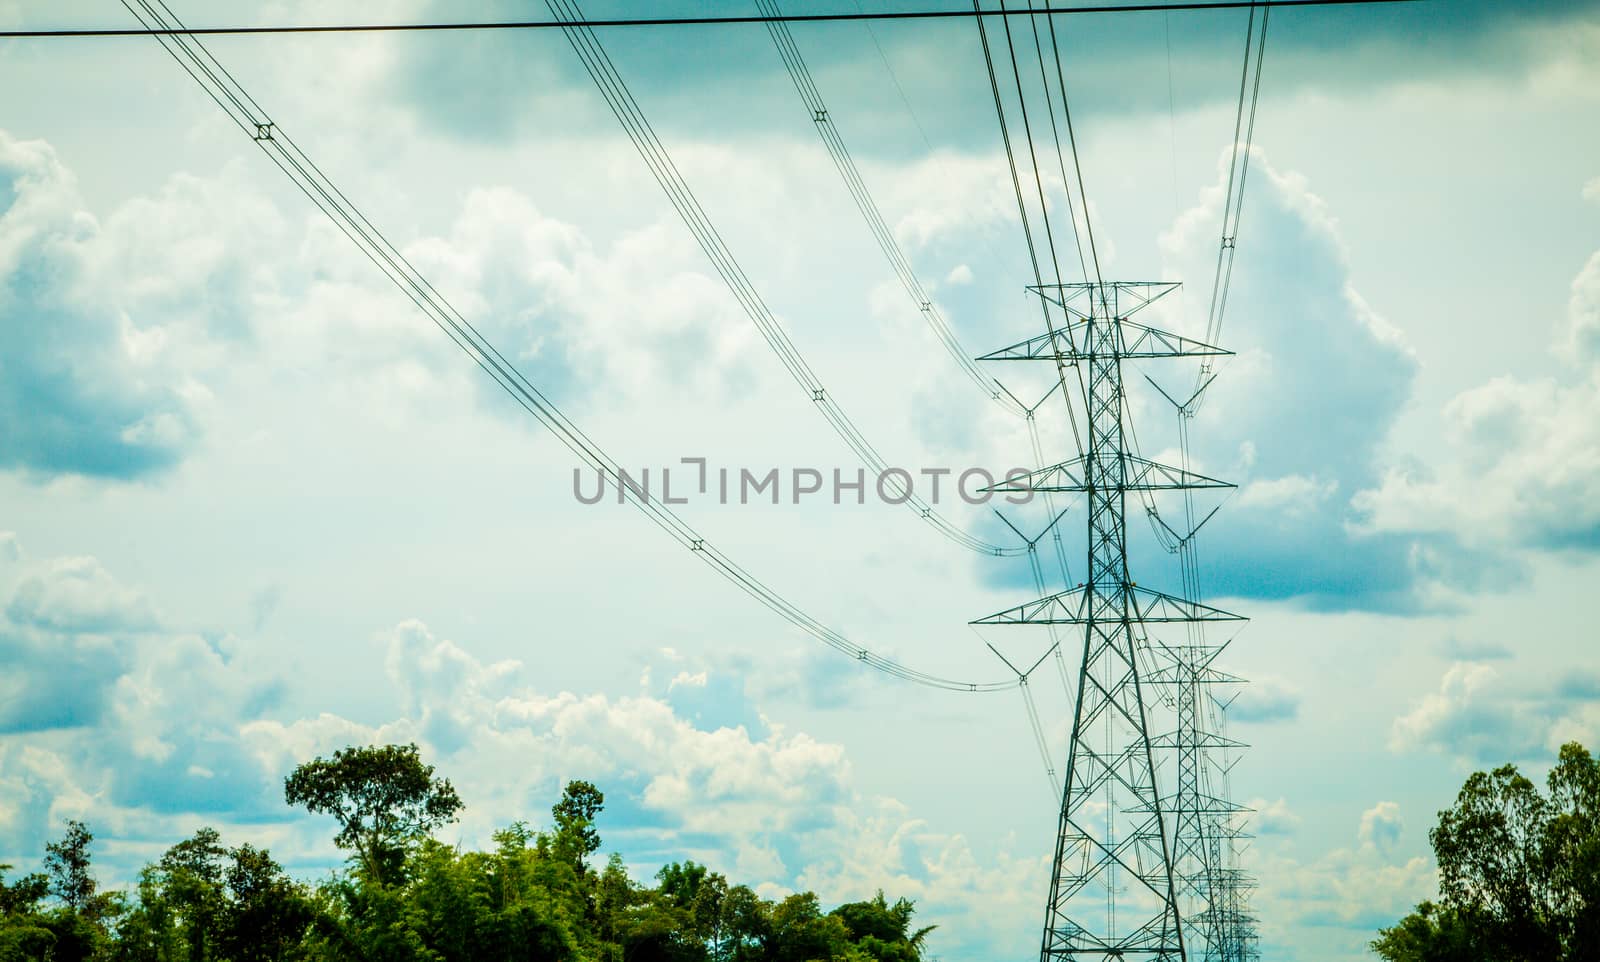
[(828, 131), (243, 110), (63, 33), (628, 113)]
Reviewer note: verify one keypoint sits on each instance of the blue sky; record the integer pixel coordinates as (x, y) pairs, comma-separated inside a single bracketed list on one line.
[(255, 508)]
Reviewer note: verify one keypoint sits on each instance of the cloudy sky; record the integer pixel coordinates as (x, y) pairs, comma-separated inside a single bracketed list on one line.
[(254, 507)]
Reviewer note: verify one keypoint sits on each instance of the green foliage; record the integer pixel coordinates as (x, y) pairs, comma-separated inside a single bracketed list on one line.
[(882, 930), (1519, 872), (66, 864), (23, 932), (535, 897), (383, 798), (574, 815)]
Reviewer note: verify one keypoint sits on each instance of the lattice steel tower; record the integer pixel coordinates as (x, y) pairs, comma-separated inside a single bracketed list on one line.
[(1113, 883)]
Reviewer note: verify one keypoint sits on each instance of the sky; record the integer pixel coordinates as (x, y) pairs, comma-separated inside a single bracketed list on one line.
[(255, 508)]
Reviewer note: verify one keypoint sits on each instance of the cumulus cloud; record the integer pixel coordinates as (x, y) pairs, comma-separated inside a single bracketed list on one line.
[(1337, 374), (78, 596), (187, 728), (1525, 470), (1523, 467), (122, 325), (82, 651), (1272, 817), (80, 394), (1265, 700), (1479, 715), (637, 318), (946, 197), (1294, 495), (1351, 892), (1381, 826), (1582, 344), (65, 637)]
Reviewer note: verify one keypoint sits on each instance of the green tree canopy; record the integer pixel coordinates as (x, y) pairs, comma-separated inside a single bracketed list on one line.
[(1519, 872), (534, 896), (382, 797), (66, 863), (575, 815)]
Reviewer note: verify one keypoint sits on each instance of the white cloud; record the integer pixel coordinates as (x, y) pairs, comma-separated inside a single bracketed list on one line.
[(1481, 716), (187, 731), (684, 678), (947, 196), (1293, 495), (1272, 818), (1337, 375), (1582, 344), (1524, 470), (1265, 699), (78, 396), (1381, 826), (78, 596), (1353, 892), (66, 635), (1523, 463)]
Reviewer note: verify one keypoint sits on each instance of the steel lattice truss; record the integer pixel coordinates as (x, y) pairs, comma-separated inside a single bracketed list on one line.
[(1137, 873)]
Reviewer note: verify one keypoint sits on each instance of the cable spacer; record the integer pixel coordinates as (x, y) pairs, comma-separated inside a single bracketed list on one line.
[(264, 131)]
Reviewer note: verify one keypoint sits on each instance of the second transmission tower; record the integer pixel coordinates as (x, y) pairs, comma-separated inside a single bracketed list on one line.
[(1114, 882)]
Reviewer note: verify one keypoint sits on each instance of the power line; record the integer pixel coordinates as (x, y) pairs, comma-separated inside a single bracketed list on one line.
[(1240, 161), (602, 70), (700, 21), (827, 129), (243, 110)]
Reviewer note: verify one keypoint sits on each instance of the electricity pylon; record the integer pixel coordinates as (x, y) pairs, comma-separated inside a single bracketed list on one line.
[(1205, 820), (1112, 842)]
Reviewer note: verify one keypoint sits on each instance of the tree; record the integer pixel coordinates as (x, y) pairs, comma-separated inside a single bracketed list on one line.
[(77, 931), (23, 896), (67, 864), (1432, 933), (383, 797), (575, 815), (748, 925), (266, 914), (23, 934), (192, 884), (801, 933), (1519, 872), (1572, 850), (883, 931), (699, 894), (532, 897)]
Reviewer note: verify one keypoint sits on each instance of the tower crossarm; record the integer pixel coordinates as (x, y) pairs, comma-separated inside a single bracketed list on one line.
[(1199, 739), (1138, 474), (1068, 343), (1179, 675), (1072, 607)]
